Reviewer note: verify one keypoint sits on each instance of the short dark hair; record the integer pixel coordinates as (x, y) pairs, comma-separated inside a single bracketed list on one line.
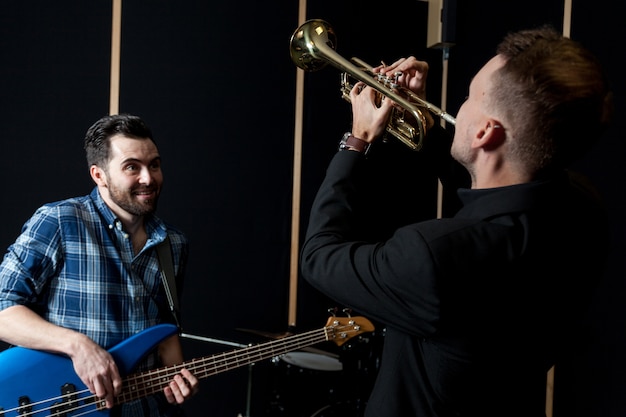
[(97, 140), (555, 95)]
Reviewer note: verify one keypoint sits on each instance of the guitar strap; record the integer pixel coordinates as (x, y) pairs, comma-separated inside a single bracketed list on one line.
[(166, 266)]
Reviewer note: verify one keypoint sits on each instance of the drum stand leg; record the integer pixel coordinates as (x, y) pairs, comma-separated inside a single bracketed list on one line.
[(249, 394), (249, 398)]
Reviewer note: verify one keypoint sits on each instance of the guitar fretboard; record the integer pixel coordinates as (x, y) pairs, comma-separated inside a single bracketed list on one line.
[(150, 382)]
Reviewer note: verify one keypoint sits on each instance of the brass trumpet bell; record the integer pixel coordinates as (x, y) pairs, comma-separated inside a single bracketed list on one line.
[(304, 44), (312, 47)]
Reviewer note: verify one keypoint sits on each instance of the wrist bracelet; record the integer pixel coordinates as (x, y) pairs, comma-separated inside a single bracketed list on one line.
[(349, 141)]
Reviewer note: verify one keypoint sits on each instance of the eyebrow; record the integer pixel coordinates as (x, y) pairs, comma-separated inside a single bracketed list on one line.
[(156, 158)]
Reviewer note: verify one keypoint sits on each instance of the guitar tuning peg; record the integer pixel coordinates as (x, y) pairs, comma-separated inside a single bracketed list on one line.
[(333, 311), (347, 312)]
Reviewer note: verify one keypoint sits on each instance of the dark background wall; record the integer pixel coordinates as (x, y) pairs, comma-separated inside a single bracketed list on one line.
[(217, 86)]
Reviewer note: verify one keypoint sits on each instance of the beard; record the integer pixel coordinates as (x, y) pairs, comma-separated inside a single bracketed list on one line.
[(125, 200)]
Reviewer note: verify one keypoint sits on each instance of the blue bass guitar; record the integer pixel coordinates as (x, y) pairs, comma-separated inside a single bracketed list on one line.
[(36, 383)]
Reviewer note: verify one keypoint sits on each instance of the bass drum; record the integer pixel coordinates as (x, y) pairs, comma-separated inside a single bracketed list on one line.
[(301, 383), (317, 384)]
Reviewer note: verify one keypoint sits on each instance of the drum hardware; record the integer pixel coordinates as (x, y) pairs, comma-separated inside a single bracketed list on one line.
[(268, 335), (228, 343)]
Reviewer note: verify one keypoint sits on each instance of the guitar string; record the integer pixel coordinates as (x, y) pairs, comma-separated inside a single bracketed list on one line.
[(63, 409), (165, 374)]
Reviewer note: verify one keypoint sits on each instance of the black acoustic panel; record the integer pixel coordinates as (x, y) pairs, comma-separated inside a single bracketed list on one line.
[(448, 22), (54, 80)]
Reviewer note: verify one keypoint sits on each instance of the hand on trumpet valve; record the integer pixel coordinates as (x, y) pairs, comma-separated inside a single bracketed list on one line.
[(409, 73), (370, 113)]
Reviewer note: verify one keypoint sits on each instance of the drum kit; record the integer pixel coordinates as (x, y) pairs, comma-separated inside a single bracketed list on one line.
[(313, 382)]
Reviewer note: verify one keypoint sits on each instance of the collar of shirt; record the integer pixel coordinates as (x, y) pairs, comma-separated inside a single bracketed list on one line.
[(155, 228)]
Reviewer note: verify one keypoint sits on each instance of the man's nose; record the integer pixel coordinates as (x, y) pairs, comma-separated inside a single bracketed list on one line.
[(145, 176)]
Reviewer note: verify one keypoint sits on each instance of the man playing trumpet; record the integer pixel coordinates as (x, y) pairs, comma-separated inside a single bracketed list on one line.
[(477, 306)]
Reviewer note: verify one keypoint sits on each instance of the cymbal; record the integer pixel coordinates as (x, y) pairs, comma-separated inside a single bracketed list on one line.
[(266, 334)]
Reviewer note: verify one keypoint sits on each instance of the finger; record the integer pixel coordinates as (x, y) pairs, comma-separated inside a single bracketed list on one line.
[(369, 93), (103, 390), (169, 396), (356, 89), (98, 388), (356, 95), (179, 389), (394, 66), (192, 381), (116, 381), (188, 376), (414, 66), (386, 102)]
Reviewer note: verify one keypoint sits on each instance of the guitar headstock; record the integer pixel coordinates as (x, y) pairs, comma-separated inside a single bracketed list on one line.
[(342, 329)]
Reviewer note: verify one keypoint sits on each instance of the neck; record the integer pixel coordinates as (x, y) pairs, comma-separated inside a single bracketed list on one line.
[(134, 225), (492, 172), (138, 240), (498, 177)]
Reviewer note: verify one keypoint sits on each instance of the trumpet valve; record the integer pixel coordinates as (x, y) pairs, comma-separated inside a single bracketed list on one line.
[(345, 86), (396, 77)]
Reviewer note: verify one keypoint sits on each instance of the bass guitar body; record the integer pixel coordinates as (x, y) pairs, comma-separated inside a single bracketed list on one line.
[(35, 383)]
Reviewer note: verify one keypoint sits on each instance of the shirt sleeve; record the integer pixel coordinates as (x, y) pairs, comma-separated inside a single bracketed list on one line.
[(30, 261), (390, 281)]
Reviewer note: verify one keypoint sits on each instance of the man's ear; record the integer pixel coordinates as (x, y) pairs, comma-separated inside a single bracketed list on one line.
[(97, 175), (491, 135)]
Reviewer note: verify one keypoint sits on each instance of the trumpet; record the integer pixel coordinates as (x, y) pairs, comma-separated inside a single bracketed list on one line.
[(312, 47)]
